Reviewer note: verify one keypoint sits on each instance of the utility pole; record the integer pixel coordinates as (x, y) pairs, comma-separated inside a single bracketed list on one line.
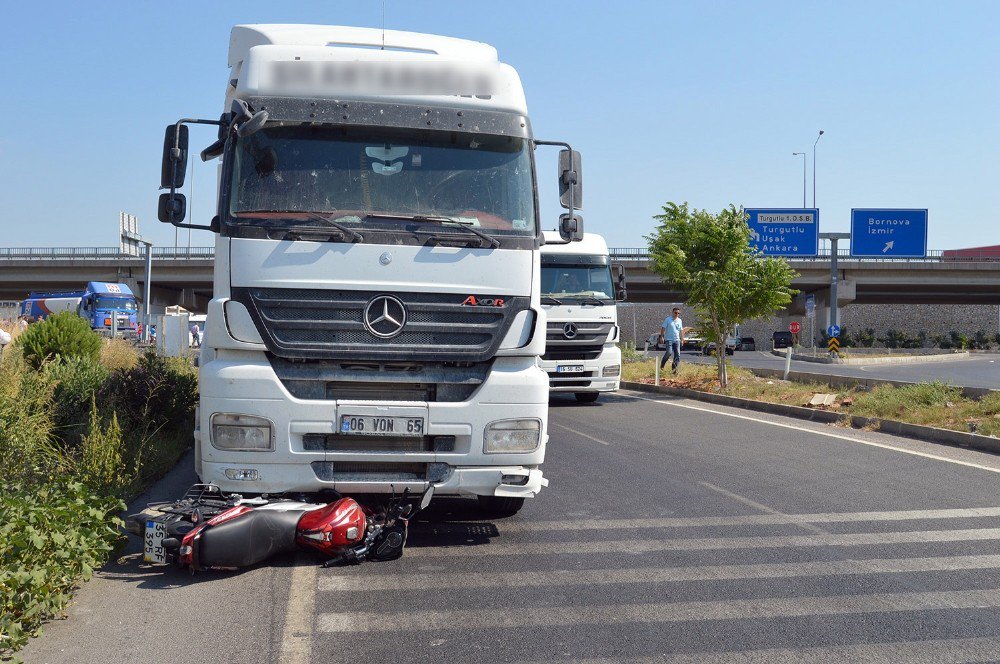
[(803, 176), (129, 241)]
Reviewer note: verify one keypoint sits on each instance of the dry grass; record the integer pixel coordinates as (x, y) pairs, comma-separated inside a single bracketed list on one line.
[(929, 404), (118, 354)]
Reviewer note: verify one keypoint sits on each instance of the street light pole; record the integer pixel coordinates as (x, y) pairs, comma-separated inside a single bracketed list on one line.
[(803, 176), (821, 132)]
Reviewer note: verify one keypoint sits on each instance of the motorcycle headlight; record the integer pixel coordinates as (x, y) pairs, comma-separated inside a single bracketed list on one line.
[(242, 433), (506, 436)]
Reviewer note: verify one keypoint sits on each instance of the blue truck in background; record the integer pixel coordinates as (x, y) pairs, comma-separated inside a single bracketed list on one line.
[(100, 303)]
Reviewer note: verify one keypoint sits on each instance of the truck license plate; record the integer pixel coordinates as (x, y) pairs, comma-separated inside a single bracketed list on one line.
[(152, 545), (378, 425), (569, 368)]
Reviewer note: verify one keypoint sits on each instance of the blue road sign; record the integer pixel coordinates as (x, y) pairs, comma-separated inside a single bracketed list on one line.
[(784, 231), (810, 305), (889, 233), (833, 331)]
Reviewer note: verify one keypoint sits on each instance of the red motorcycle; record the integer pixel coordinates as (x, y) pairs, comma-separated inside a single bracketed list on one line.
[(207, 529)]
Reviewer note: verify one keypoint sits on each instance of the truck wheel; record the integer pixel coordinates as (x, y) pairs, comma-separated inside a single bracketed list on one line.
[(500, 506), (587, 397)]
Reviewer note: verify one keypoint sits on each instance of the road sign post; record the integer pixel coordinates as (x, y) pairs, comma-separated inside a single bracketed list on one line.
[(129, 241), (784, 231), (889, 233)]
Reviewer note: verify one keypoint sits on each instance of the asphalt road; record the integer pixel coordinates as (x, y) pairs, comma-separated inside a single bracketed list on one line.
[(977, 370), (672, 531)]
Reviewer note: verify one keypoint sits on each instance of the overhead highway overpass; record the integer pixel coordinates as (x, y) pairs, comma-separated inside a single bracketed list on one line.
[(184, 276)]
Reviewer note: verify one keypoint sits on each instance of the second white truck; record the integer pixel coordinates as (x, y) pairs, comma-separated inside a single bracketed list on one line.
[(579, 296)]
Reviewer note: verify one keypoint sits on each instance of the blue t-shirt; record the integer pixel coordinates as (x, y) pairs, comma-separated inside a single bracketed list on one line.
[(673, 327)]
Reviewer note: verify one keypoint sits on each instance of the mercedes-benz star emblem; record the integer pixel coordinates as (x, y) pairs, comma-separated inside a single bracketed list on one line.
[(385, 316), (569, 330), (385, 258)]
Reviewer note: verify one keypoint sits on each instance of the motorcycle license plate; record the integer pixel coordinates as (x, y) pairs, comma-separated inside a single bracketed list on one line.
[(152, 545), (379, 425), (569, 368)]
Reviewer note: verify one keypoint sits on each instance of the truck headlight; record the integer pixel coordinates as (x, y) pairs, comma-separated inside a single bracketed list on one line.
[(505, 436), (242, 433), (611, 371)]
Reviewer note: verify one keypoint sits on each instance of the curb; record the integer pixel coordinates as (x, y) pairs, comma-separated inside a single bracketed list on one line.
[(834, 380), (894, 427), (862, 360)]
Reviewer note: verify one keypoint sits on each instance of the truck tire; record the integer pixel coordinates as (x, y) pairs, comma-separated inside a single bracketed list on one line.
[(500, 506), (587, 397)]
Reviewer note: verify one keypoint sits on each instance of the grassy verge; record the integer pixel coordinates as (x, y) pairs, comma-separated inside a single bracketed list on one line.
[(84, 425), (930, 404)]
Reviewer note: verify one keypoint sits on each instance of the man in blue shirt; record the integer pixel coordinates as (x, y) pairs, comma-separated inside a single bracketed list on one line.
[(673, 336)]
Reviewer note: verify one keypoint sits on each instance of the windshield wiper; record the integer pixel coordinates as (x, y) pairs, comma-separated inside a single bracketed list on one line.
[(592, 300), (548, 299), (353, 234), (436, 219)]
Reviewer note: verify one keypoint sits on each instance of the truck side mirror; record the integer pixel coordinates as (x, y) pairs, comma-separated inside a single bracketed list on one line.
[(570, 180), (175, 154), (171, 208), (571, 227), (621, 293)]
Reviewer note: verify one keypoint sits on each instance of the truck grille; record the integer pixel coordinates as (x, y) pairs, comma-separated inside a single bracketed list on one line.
[(335, 442), (586, 345), (329, 324)]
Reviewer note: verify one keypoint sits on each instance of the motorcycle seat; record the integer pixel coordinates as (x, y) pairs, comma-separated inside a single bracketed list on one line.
[(249, 539)]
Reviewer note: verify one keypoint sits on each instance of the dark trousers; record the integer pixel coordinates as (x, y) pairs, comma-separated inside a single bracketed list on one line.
[(673, 347)]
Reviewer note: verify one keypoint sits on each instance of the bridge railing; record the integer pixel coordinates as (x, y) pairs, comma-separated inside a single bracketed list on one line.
[(933, 256), (101, 253)]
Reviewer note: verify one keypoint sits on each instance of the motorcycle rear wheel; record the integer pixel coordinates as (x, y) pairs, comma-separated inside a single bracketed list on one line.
[(500, 506)]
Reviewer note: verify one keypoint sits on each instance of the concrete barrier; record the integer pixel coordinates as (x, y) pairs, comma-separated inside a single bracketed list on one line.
[(918, 358)]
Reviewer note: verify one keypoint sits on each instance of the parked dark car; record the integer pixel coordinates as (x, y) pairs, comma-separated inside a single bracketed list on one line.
[(782, 339), (747, 343)]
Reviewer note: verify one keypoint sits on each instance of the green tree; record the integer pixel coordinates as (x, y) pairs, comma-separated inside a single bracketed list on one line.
[(708, 256)]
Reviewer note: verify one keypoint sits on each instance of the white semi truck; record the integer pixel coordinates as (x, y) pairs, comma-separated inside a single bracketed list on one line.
[(579, 295), (376, 320)]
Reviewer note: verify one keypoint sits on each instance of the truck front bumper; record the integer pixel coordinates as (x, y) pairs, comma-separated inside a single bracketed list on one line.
[(592, 378), (246, 384)]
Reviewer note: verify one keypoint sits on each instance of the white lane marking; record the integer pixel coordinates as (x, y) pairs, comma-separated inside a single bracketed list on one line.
[(747, 520), (953, 651), (580, 433), (296, 636), (705, 543), (828, 434), (758, 506), (617, 614), (642, 575)]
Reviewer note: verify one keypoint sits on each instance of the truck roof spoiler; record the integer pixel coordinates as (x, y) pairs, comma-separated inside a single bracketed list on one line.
[(245, 37)]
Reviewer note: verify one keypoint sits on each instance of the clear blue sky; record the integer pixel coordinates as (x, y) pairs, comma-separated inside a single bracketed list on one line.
[(703, 102)]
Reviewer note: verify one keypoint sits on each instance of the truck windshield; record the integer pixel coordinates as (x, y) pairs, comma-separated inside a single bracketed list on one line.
[(352, 175), (116, 303), (570, 282)]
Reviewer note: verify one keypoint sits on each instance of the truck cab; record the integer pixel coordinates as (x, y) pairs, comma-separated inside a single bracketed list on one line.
[(376, 319), (579, 295)]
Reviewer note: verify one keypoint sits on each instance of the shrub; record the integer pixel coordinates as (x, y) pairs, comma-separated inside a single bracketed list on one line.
[(118, 354), (51, 536), (958, 340), (980, 341), (101, 461), (75, 381), (156, 392), (865, 338), (27, 449), (60, 335)]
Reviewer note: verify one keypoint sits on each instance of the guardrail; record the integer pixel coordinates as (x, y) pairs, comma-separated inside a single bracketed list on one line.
[(933, 256), (99, 253)]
